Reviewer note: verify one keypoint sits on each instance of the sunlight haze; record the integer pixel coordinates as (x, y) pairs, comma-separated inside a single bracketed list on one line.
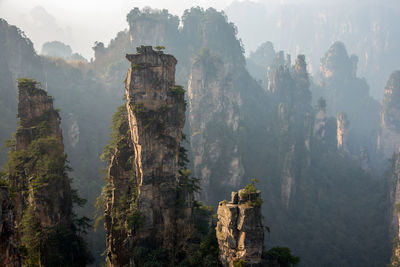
[(79, 23)]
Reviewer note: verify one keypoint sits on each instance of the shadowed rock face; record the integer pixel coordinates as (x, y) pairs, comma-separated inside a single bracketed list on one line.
[(8, 247), (156, 113), (394, 196), (214, 119), (240, 232), (34, 107), (389, 139)]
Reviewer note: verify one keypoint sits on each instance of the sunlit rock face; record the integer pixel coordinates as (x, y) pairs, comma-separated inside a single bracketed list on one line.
[(156, 113), (240, 231), (389, 138), (342, 131)]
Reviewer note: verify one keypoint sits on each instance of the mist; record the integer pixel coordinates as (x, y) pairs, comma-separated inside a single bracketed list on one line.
[(81, 23), (200, 133)]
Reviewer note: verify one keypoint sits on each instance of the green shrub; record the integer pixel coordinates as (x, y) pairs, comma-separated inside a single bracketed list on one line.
[(178, 90)]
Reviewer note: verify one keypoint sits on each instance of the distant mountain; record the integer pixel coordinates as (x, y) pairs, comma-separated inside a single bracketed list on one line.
[(367, 28)]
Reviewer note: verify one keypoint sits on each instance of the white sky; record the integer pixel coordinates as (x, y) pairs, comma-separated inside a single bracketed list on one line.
[(79, 23)]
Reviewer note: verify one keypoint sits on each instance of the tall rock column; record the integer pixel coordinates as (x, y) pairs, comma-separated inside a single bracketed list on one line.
[(389, 137), (37, 172), (38, 119), (156, 113)]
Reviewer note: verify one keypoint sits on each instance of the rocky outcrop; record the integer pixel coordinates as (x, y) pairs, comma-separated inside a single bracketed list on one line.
[(389, 137), (156, 113), (9, 255), (240, 231)]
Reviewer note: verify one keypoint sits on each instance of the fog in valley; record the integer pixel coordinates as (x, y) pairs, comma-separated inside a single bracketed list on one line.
[(199, 133)]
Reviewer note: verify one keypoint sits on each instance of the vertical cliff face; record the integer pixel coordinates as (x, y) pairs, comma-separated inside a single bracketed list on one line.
[(214, 114), (36, 114), (240, 231), (120, 193), (389, 138), (393, 179), (289, 89), (156, 113), (9, 255), (37, 174), (38, 119)]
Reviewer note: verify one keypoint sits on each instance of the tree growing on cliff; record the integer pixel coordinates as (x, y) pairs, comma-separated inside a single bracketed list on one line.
[(38, 173)]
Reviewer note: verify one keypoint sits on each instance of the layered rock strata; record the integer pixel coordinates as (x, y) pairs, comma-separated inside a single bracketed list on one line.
[(240, 231)]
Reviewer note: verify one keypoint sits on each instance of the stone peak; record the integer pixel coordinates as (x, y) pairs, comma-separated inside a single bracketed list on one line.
[(146, 54), (30, 87), (33, 103), (147, 49)]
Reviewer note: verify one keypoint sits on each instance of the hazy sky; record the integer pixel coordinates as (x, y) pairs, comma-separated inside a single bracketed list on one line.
[(80, 23)]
